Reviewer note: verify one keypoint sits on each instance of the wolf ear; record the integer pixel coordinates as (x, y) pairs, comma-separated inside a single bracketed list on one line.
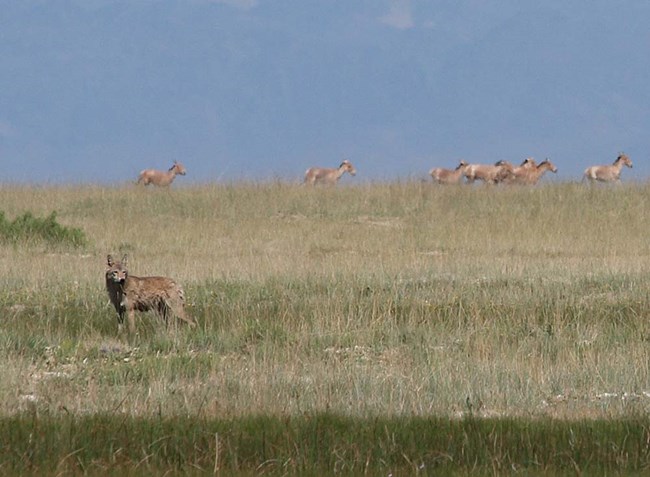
[(124, 260), (109, 260)]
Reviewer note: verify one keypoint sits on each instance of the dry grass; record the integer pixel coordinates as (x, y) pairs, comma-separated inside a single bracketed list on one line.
[(383, 299)]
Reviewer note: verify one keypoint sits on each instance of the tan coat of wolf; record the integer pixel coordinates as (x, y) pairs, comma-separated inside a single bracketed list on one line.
[(129, 293)]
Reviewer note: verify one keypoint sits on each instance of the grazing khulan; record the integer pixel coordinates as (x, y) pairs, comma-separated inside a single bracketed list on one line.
[(129, 294), (611, 173), (489, 173), (530, 173), (534, 174), (329, 176), (518, 171), (161, 178), (444, 176)]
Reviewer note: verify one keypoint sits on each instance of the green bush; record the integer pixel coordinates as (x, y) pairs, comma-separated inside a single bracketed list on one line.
[(27, 228)]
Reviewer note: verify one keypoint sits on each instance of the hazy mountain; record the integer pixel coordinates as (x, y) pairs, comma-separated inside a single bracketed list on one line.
[(97, 90)]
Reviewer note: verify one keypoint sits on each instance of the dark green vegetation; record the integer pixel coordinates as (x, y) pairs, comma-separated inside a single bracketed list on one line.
[(27, 229), (321, 444)]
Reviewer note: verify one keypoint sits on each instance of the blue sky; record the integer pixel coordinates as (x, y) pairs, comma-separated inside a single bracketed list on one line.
[(96, 90)]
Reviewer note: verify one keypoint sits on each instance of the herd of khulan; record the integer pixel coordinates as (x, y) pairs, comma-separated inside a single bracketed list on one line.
[(165, 297), (529, 172)]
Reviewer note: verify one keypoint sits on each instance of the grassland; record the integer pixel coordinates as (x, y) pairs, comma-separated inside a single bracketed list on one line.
[(510, 319)]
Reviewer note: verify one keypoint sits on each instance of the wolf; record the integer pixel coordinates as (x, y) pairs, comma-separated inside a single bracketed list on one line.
[(129, 294)]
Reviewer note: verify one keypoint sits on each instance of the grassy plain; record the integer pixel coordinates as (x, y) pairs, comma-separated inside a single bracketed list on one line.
[(398, 303)]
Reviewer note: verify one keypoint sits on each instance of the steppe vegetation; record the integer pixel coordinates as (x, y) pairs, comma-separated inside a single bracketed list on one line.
[(381, 328)]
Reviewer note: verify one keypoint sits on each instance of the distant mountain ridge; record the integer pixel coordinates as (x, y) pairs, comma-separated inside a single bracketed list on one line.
[(97, 91)]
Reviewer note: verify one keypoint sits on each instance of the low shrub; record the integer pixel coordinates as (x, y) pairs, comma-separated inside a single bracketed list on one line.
[(27, 228)]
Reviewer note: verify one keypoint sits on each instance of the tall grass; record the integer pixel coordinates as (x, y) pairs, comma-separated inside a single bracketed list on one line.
[(382, 301), (321, 445)]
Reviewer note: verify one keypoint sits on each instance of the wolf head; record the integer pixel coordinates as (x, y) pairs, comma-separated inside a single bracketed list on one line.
[(116, 271)]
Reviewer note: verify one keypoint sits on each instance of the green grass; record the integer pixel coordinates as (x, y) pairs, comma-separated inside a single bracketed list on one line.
[(398, 309), (322, 444)]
